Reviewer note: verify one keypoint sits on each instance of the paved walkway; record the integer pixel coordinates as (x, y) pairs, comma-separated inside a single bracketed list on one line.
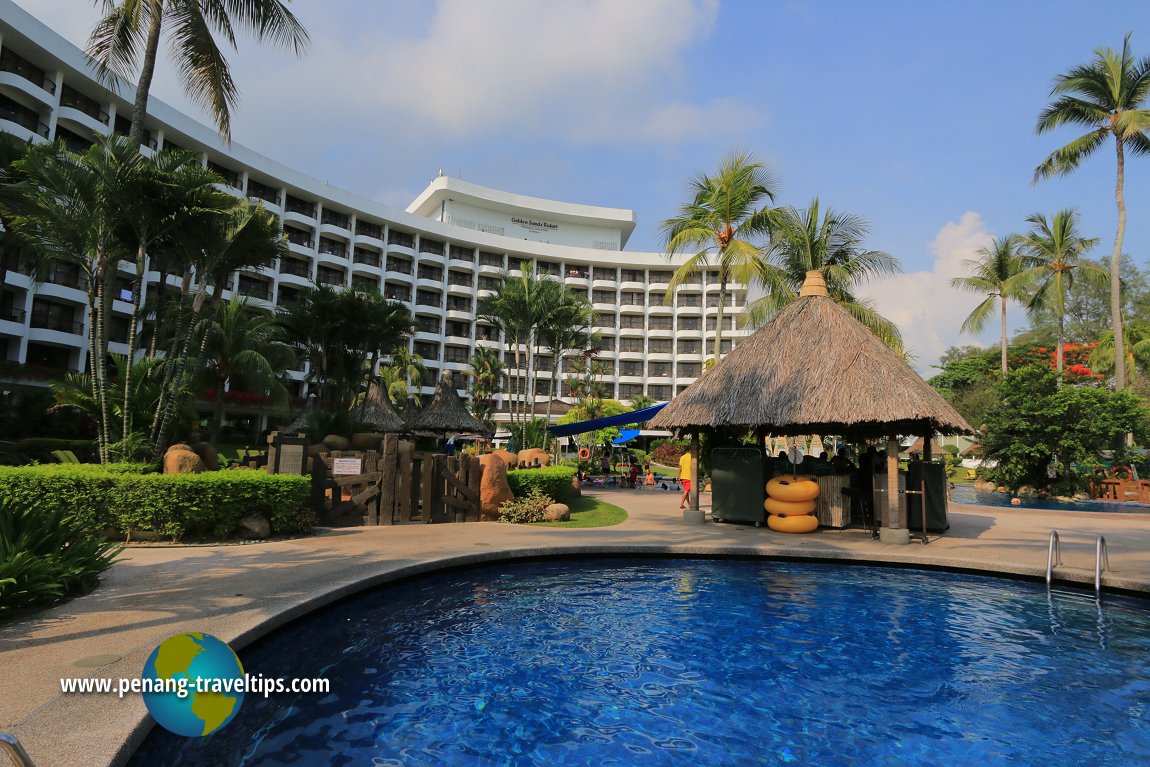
[(240, 592)]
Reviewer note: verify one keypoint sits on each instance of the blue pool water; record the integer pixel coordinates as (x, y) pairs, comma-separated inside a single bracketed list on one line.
[(696, 662), (967, 494)]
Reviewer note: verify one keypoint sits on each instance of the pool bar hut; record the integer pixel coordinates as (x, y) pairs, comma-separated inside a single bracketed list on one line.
[(815, 369)]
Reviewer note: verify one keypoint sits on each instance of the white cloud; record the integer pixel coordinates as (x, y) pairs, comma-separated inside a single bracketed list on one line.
[(927, 310)]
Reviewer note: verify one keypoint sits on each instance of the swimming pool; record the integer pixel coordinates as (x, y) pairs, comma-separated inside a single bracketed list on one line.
[(967, 494), (698, 662)]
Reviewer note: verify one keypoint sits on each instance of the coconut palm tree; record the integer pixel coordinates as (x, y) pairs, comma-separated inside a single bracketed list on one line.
[(1108, 96), (727, 212), (831, 241), (1051, 253), (1136, 346), (486, 377), (245, 344), (567, 329), (997, 274), (402, 376), (127, 39)]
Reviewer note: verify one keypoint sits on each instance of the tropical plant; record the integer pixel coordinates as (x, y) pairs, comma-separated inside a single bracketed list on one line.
[(590, 409), (12, 150), (832, 242), (402, 376), (1108, 96), (1051, 253), (567, 329), (1136, 347), (997, 274), (486, 382), (245, 345), (725, 214), (127, 37)]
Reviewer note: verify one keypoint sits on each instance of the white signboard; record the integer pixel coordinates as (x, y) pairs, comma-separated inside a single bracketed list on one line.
[(346, 466)]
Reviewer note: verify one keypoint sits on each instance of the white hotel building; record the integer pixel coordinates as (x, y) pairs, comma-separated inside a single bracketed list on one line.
[(438, 257)]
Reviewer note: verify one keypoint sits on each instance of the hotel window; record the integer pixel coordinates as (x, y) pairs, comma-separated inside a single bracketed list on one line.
[(328, 276), (299, 237), (605, 344), (660, 346), (629, 390), (427, 350), (633, 275), (631, 345), (402, 239), (459, 278), (633, 299), (455, 354), (263, 192), (631, 322), (547, 267), (292, 204), (490, 259), (728, 323), (661, 276), (690, 347), (486, 333), (397, 293), (602, 320), (433, 247), (335, 218), (332, 247), (230, 177), (463, 254), (458, 329), (603, 296), (368, 257), (364, 284), (600, 273), (428, 298), (724, 347), (457, 304), (367, 229), (690, 369), (430, 377), (545, 362), (660, 393), (576, 270), (543, 386), (520, 264), (400, 265), (630, 368), (433, 273), (690, 299), (489, 283), (425, 324), (659, 369), (688, 323), (661, 323)]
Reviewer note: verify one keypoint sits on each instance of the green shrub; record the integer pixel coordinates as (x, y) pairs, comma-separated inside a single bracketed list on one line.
[(526, 509), (45, 555), (669, 452), (554, 481), (40, 448), (117, 497)]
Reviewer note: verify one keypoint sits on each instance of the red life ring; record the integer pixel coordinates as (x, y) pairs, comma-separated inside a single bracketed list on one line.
[(1127, 469), (584, 454)]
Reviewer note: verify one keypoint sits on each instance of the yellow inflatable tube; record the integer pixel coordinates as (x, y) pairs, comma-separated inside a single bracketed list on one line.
[(790, 508), (801, 524), (786, 488)]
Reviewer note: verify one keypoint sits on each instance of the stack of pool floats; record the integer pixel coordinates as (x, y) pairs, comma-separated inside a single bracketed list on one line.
[(791, 504)]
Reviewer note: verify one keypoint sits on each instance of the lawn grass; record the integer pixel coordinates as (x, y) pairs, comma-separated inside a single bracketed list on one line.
[(590, 512)]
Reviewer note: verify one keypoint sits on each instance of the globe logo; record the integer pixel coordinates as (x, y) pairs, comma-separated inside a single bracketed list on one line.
[(174, 697)]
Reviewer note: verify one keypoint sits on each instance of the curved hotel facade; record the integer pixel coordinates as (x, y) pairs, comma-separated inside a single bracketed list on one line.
[(439, 257)]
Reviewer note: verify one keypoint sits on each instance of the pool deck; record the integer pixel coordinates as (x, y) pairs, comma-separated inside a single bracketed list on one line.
[(240, 592)]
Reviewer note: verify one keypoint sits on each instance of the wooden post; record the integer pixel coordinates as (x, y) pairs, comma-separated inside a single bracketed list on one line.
[(926, 440), (387, 484), (475, 483), (894, 531), (693, 513), (404, 481), (426, 482)]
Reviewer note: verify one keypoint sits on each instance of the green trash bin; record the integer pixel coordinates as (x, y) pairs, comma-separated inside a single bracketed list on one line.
[(737, 492)]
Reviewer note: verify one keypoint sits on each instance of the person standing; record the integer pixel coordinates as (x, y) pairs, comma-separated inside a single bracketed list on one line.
[(686, 463)]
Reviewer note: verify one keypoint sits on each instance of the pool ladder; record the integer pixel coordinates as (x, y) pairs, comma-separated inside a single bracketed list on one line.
[(10, 746), (1101, 559)]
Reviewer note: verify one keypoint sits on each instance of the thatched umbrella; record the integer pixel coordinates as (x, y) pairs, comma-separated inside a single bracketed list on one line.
[(379, 412), (297, 426), (814, 368), (446, 413)]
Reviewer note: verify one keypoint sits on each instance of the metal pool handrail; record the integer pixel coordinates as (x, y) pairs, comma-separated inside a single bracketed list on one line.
[(1054, 549), (16, 752), (1100, 553)]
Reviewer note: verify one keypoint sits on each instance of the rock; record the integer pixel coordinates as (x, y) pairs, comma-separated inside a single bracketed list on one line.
[(508, 458), (1000, 489), (1026, 491), (576, 487), (1015, 502), (314, 450), (531, 455), (493, 488), (1064, 498), (182, 462), (366, 440), (254, 527), (207, 453), (336, 442), (557, 512), (1082, 496)]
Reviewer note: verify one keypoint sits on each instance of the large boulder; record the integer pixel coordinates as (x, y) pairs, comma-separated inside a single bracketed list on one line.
[(317, 449), (557, 512), (366, 440), (508, 458), (181, 460), (254, 527), (493, 489), (207, 453), (336, 442), (531, 455)]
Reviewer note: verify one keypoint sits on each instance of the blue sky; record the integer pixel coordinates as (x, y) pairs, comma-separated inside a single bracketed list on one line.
[(918, 116)]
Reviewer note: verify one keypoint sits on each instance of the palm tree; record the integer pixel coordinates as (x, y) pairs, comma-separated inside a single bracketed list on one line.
[(1107, 96), (12, 150), (128, 36), (1136, 346), (567, 329), (831, 241), (486, 375), (725, 214), (1051, 252), (245, 344), (403, 369), (997, 275)]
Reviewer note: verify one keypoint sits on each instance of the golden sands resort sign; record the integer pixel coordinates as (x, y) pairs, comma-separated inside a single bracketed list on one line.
[(532, 225)]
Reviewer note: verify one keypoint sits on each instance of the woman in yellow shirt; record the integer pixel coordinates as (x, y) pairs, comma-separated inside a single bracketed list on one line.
[(685, 477)]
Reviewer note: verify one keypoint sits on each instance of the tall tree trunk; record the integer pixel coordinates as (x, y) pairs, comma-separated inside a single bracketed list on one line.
[(719, 319), (153, 342), (1002, 298), (133, 324), (140, 106), (101, 366), (1115, 272), (1058, 350)]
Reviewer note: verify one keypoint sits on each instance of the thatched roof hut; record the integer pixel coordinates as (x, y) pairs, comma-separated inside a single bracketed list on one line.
[(300, 422), (446, 412), (813, 368), (378, 411)]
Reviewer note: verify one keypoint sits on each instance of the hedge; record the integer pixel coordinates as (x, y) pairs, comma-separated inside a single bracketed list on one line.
[(116, 497), (555, 481)]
